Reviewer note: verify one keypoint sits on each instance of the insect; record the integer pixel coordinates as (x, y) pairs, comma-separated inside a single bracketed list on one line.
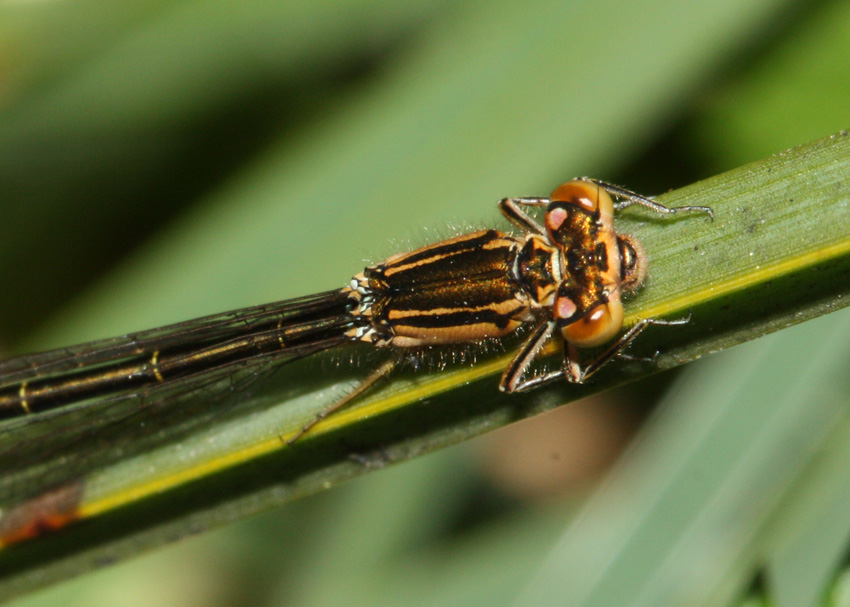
[(563, 278)]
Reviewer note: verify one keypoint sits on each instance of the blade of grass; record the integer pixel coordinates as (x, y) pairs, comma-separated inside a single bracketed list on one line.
[(809, 539)]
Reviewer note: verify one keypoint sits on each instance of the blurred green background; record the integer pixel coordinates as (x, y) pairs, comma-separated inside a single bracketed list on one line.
[(165, 159)]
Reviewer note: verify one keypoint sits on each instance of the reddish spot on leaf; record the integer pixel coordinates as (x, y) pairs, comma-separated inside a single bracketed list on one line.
[(46, 513)]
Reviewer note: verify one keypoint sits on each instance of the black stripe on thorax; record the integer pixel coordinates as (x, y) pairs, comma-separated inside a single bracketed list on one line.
[(453, 246), (457, 318)]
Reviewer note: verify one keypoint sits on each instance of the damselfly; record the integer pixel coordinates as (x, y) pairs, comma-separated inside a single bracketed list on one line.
[(564, 278)]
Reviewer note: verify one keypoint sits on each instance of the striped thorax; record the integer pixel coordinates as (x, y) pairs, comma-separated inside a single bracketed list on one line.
[(464, 289)]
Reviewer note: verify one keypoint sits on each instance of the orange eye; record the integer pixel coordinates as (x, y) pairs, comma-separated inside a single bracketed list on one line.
[(584, 194), (575, 210), (597, 327)]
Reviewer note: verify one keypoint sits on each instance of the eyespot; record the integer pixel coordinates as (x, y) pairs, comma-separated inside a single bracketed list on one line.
[(565, 308), (600, 325), (555, 218)]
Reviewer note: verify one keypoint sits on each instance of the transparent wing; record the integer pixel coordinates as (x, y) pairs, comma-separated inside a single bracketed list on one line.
[(206, 328), (45, 450)]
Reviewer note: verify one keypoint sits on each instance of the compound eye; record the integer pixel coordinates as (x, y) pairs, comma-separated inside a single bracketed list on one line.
[(585, 195), (600, 325), (574, 200)]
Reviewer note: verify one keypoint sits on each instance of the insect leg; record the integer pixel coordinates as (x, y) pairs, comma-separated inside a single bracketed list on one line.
[(576, 374), (628, 198), (512, 209), (380, 373), (512, 378)]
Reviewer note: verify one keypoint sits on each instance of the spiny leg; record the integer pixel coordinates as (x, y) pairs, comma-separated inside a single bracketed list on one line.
[(628, 198), (512, 209), (512, 378), (576, 374), (378, 374)]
